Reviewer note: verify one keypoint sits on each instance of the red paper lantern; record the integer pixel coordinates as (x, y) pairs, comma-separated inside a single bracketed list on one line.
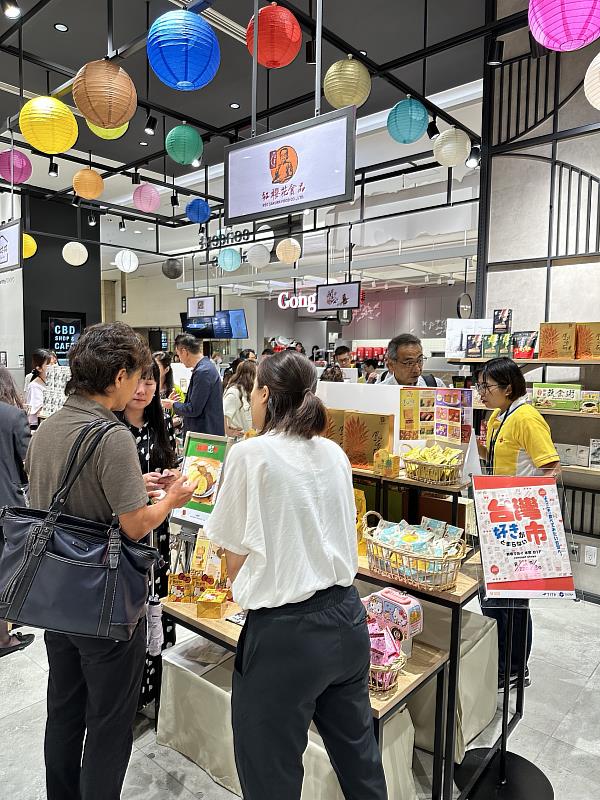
[(279, 36)]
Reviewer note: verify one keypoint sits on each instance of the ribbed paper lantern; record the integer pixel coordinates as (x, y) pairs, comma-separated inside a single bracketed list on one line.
[(146, 198), (591, 83), (279, 36), (48, 125), (172, 268), (288, 251), (105, 94), (75, 254), (564, 24), (109, 134), (258, 256), (15, 166), (407, 121), (347, 83), (197, 210), (183, 50), (229, 259), (184, 144), (88, 183), (451, 147), (127, 261), (29, 246), (265, 236)]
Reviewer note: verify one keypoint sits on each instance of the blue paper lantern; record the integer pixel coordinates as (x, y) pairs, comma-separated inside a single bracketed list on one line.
[(407, 121), (197, 210), (183, 50), (229, 259)]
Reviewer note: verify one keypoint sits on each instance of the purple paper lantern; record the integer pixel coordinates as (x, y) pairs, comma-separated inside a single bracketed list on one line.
[(21, 166), (564, 24), (146, 198)]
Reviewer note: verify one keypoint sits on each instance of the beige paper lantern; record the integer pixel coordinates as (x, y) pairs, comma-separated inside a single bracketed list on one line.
[(347, 83), (75, 254), (288, 251), (88, 183), (451, 147), (105, 94), (591, 83)]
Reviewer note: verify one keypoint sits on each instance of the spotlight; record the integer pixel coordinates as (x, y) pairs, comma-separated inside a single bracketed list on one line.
[(135, 178), (196, 163), (75, 201), (235, 106), (311, 52), (92, 221), (175, 200), (61, 27), (122, 226), (426, 278), (474, 157), (496, 53), (53, 168), (432, 130), (150, 126), (451, 281), (10, 9), (406, 290)]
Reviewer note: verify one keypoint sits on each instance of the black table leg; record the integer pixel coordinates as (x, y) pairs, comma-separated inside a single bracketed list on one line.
[(452, 704), (455, 510), (438, 754)]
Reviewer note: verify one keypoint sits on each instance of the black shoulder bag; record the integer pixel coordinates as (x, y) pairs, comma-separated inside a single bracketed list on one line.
[(68, 574)]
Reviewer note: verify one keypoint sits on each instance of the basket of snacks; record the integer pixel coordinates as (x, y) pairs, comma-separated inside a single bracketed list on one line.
[(426, 556), (384, 678), (434, 464)]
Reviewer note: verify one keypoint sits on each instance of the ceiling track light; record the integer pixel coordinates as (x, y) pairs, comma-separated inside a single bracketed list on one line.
[(92, 221), (196, 163), (496, 53), (53, 168), (122, 225), (474, 157), (175, 200), (150, 126), (311, 52), (10, 9), (406, 290), (135, 178), (432, 129)]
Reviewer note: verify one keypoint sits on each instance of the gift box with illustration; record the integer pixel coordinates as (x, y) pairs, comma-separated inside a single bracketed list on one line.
[(557, 340), (364, 434), (335, 425), (212, 604), (557, 396), (588, 340)]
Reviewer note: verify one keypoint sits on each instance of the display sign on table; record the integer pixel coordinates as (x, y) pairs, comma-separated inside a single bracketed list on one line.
[(305, 165), (524, 548), (204, 457), (442, 413), (10, 245), (63, 334)]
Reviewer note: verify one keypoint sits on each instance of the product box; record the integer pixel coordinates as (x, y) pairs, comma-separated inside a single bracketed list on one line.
[(474, 346), (557, 396), (208, 563), (590, 402), (212, 604), (397, 611), (588, 340), (489, 344), (364, 434), (181, 588), (523, 344), (503, 320), (505, 345), (557, 340), (335, 425), (595, 453)]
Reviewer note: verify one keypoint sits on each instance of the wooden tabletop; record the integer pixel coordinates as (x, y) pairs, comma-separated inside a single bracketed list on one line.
[(403, 480), (228, 632)]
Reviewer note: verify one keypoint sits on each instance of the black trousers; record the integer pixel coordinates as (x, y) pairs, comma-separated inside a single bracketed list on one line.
[(522, 617), (93, 689), (295, 664)]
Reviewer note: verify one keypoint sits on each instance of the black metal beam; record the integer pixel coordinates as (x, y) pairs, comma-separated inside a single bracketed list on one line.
[(39, 6)]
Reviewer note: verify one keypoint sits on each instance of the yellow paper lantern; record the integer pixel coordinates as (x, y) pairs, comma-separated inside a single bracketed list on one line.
[(48, 125), (288, 251), (88, 184), (109, 134), (105, 94), (347, 83), (29, 246)]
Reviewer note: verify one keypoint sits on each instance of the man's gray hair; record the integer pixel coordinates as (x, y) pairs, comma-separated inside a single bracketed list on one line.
[(404, 340)]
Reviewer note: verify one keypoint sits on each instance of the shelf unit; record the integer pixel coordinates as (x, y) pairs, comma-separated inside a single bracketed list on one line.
[(539, 362), (550, 412), (581, 471)]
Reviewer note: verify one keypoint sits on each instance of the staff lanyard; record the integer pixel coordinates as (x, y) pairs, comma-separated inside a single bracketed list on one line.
[(494, 438)]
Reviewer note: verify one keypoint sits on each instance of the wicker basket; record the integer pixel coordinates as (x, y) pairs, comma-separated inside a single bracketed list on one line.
[(438, 474), (385, 679), (428, 573)]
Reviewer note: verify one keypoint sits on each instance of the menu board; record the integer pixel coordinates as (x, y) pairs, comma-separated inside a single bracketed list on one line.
[(204, 457), (445, 414)]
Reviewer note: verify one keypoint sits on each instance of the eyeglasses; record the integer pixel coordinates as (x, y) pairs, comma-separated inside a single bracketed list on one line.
[(410, 363), (486, 387)]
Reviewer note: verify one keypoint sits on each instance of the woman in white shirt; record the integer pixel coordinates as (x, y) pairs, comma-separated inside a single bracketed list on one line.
[(236, 400), (286, 517), (34, 398)]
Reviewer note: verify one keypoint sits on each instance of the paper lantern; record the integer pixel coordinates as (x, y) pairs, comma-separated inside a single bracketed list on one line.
[(258, 256), (48, 125), (29, 246), (184, 144), (15, 167), (75, 254), (146, 198), (88, 183), (229, 259), (288, 251), (197, 210), (127, 261), (407, 121), (109, 134), (591, 83), (279, 36), (172, 268), (105, 94), (451, 147), (265, 236), (183, 50), (564, 24), (347, 83)]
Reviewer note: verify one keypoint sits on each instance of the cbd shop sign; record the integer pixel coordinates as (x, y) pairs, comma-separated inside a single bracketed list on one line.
[(289, 300), (63, 334)]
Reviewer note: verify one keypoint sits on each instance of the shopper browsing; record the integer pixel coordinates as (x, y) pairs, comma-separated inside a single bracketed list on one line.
[(404, 361), (369, 371), (167, 380), (236, 400), (303, 653), (34, 398), (342, 357), (202, 411), (94, 684)]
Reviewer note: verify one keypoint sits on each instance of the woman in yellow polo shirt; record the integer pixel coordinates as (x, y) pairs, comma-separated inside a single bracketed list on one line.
[(518, 443)]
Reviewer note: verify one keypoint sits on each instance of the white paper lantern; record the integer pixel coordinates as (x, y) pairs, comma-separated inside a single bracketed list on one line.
[(258, 256), (288, 251), (75, 254), (591, 83), (451, 147), (127, 261), (265, 236)]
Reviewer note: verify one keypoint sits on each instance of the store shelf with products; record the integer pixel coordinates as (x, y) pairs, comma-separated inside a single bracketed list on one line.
[(539, 362)]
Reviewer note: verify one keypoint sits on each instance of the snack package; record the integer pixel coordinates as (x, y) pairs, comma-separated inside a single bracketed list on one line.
[(590, 402), (523, 344), (502, 320), (505, 345), (557, 340), (557, 396), (181, 588), (474, 346), (490, 342)]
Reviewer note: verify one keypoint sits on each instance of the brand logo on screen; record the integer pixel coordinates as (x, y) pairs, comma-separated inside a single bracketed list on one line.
[(287, 300), (283, 164), (3, 250)]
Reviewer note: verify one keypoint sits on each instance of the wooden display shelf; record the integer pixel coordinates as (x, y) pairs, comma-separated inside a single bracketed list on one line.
[(404, 481), (227, 632), (540, 362), (581, 471), (551, 412)]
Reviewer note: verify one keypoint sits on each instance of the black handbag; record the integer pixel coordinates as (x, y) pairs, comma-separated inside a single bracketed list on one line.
[(68, 574)]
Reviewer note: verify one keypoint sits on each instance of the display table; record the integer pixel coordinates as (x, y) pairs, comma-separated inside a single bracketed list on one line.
[(425, 663)]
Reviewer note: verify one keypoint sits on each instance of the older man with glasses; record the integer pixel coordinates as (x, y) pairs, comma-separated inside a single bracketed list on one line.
[(404, 361)]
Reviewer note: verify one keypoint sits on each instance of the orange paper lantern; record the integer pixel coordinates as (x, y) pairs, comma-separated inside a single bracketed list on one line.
[(88, 184), (279, 36), (105, 94)]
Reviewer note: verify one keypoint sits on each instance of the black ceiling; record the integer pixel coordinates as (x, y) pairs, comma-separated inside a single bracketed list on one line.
[(386, 29)]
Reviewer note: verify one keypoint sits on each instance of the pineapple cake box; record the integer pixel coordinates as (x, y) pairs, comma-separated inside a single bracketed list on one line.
[(364, 434), (588, 340), (557, 340)]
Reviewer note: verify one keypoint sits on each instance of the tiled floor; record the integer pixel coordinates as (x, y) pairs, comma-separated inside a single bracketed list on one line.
[(560, 732)]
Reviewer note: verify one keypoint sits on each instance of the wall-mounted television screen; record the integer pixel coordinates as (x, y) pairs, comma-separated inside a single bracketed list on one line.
[(338, 296), (230, 324), (201, 327)]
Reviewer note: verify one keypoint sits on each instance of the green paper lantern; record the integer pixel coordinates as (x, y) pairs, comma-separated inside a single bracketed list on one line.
[(184, 144)]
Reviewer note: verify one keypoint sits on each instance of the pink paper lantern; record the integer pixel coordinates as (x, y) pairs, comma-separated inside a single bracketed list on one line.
[(564, 24), (146, 198), (21, 166)]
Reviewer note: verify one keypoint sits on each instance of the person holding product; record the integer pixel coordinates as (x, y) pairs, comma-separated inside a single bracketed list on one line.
[(14, 439), (404, 361), (304, 650), (519, 443), (34, 397), (236, 400), (202, 411), (94, 684)]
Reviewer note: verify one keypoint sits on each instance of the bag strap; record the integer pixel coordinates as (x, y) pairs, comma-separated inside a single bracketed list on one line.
[(430, 381)]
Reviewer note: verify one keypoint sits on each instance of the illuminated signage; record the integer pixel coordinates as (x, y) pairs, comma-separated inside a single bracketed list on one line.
[(289, 300)]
